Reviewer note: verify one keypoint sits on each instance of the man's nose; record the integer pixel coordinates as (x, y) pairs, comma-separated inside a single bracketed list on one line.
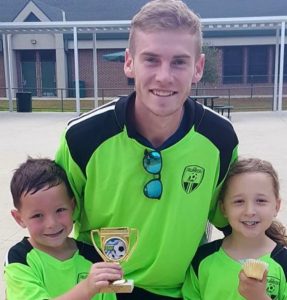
[(164, 73)]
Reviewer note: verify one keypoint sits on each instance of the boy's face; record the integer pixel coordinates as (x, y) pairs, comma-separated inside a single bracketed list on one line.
[(164, 64), (47, 215)]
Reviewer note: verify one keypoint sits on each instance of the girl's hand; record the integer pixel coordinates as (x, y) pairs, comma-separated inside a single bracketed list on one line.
[(252, 289)]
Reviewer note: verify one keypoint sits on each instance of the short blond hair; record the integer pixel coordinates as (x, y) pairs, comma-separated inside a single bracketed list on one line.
[(159, 15)]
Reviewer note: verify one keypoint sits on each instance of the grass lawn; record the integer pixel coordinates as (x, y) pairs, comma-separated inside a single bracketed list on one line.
[(69, 105)]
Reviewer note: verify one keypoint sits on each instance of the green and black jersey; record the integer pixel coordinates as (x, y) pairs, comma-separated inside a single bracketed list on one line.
[(103, 157), (32, 274), (213, 274)]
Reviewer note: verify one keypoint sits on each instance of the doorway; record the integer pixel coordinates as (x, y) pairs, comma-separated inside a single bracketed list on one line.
[(38, 74)]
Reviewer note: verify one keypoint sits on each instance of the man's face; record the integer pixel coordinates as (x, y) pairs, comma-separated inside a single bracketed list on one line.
[(164, 65)]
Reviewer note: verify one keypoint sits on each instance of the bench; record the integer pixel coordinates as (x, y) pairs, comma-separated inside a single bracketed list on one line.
[(223, 108)]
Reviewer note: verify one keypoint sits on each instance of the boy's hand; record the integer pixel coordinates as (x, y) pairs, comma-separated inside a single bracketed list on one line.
[(252, 289), (101, 275)]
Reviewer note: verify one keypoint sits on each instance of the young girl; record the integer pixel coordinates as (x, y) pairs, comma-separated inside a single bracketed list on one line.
[(250, 201)]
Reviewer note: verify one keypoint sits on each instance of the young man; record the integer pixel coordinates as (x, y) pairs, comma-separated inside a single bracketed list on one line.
[(48, 264), (154, 160)]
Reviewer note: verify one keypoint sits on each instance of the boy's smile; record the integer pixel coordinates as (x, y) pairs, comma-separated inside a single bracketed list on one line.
[(47, 214)]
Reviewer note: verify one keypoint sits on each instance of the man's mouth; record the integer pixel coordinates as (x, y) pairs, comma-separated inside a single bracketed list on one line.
[(163, 93)]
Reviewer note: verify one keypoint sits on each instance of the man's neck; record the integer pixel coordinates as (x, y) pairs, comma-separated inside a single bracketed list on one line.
[(157, 129)]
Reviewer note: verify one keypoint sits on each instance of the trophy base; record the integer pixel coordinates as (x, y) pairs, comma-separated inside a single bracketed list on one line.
[(119, 286)]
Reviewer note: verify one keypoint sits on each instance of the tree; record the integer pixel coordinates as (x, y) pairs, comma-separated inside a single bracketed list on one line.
[(210, 74)]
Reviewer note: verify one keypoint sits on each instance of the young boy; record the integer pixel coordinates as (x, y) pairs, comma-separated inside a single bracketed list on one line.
[(49, 264)]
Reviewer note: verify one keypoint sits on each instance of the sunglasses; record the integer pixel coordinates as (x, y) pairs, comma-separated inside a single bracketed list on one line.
[(152, 163)]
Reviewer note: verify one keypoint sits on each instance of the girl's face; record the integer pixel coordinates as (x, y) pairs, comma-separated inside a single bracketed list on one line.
[(250, 204)]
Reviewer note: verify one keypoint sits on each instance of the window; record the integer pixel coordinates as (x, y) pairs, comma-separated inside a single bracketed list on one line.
[(257, 64), (28, 55), (232, 64), (31, 18)]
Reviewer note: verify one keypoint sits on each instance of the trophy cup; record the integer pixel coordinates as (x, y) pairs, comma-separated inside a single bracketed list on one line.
[(115, 244)]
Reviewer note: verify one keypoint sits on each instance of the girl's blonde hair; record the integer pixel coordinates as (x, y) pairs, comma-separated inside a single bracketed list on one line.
[(277, 232)]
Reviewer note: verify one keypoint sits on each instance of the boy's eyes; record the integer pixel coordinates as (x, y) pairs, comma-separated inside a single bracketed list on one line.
[(37, 216), (40, 215), (61, 209)]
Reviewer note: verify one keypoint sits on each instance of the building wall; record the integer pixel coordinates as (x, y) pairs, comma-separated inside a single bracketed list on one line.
[(111, 78)]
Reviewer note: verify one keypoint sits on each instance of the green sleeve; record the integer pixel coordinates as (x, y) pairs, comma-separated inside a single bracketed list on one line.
[(283, 289), (190, 288), (23, 283), (75, 175), (216, 217)]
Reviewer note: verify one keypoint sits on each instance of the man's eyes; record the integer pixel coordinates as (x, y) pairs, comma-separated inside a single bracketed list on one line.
[(151, 59), (176, 62), (179, 62)]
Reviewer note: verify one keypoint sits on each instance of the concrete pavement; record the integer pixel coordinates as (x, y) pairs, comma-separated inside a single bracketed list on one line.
[(261, 134)]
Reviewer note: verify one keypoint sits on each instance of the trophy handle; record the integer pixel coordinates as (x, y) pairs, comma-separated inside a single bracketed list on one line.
[(95, 245), (136, 234)]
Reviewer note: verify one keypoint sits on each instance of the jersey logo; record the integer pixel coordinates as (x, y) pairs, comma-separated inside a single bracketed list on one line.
[(192, 178), (82, 276), (272, 287)]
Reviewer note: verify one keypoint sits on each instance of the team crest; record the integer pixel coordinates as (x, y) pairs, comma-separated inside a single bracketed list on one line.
[(82, 276), (192, 178), (272, 287)]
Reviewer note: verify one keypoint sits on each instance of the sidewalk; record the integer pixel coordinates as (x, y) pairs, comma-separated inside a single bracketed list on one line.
[(261, 134)]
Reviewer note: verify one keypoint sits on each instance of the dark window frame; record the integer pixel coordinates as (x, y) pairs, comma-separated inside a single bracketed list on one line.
[(232, 64)]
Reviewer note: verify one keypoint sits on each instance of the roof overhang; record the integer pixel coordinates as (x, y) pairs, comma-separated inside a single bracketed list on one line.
[(213, 24)]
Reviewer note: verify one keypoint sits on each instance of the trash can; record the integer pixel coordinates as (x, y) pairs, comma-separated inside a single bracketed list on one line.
[(24, 101)]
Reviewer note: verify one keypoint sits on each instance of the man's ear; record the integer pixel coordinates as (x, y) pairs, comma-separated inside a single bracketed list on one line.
[(129, 64), (199, 67), (17, 217)]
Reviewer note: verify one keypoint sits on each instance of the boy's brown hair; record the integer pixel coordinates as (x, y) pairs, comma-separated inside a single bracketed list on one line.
[(34, 175)]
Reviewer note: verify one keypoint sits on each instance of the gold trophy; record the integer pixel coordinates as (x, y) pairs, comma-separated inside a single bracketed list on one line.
[(115, 244)]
